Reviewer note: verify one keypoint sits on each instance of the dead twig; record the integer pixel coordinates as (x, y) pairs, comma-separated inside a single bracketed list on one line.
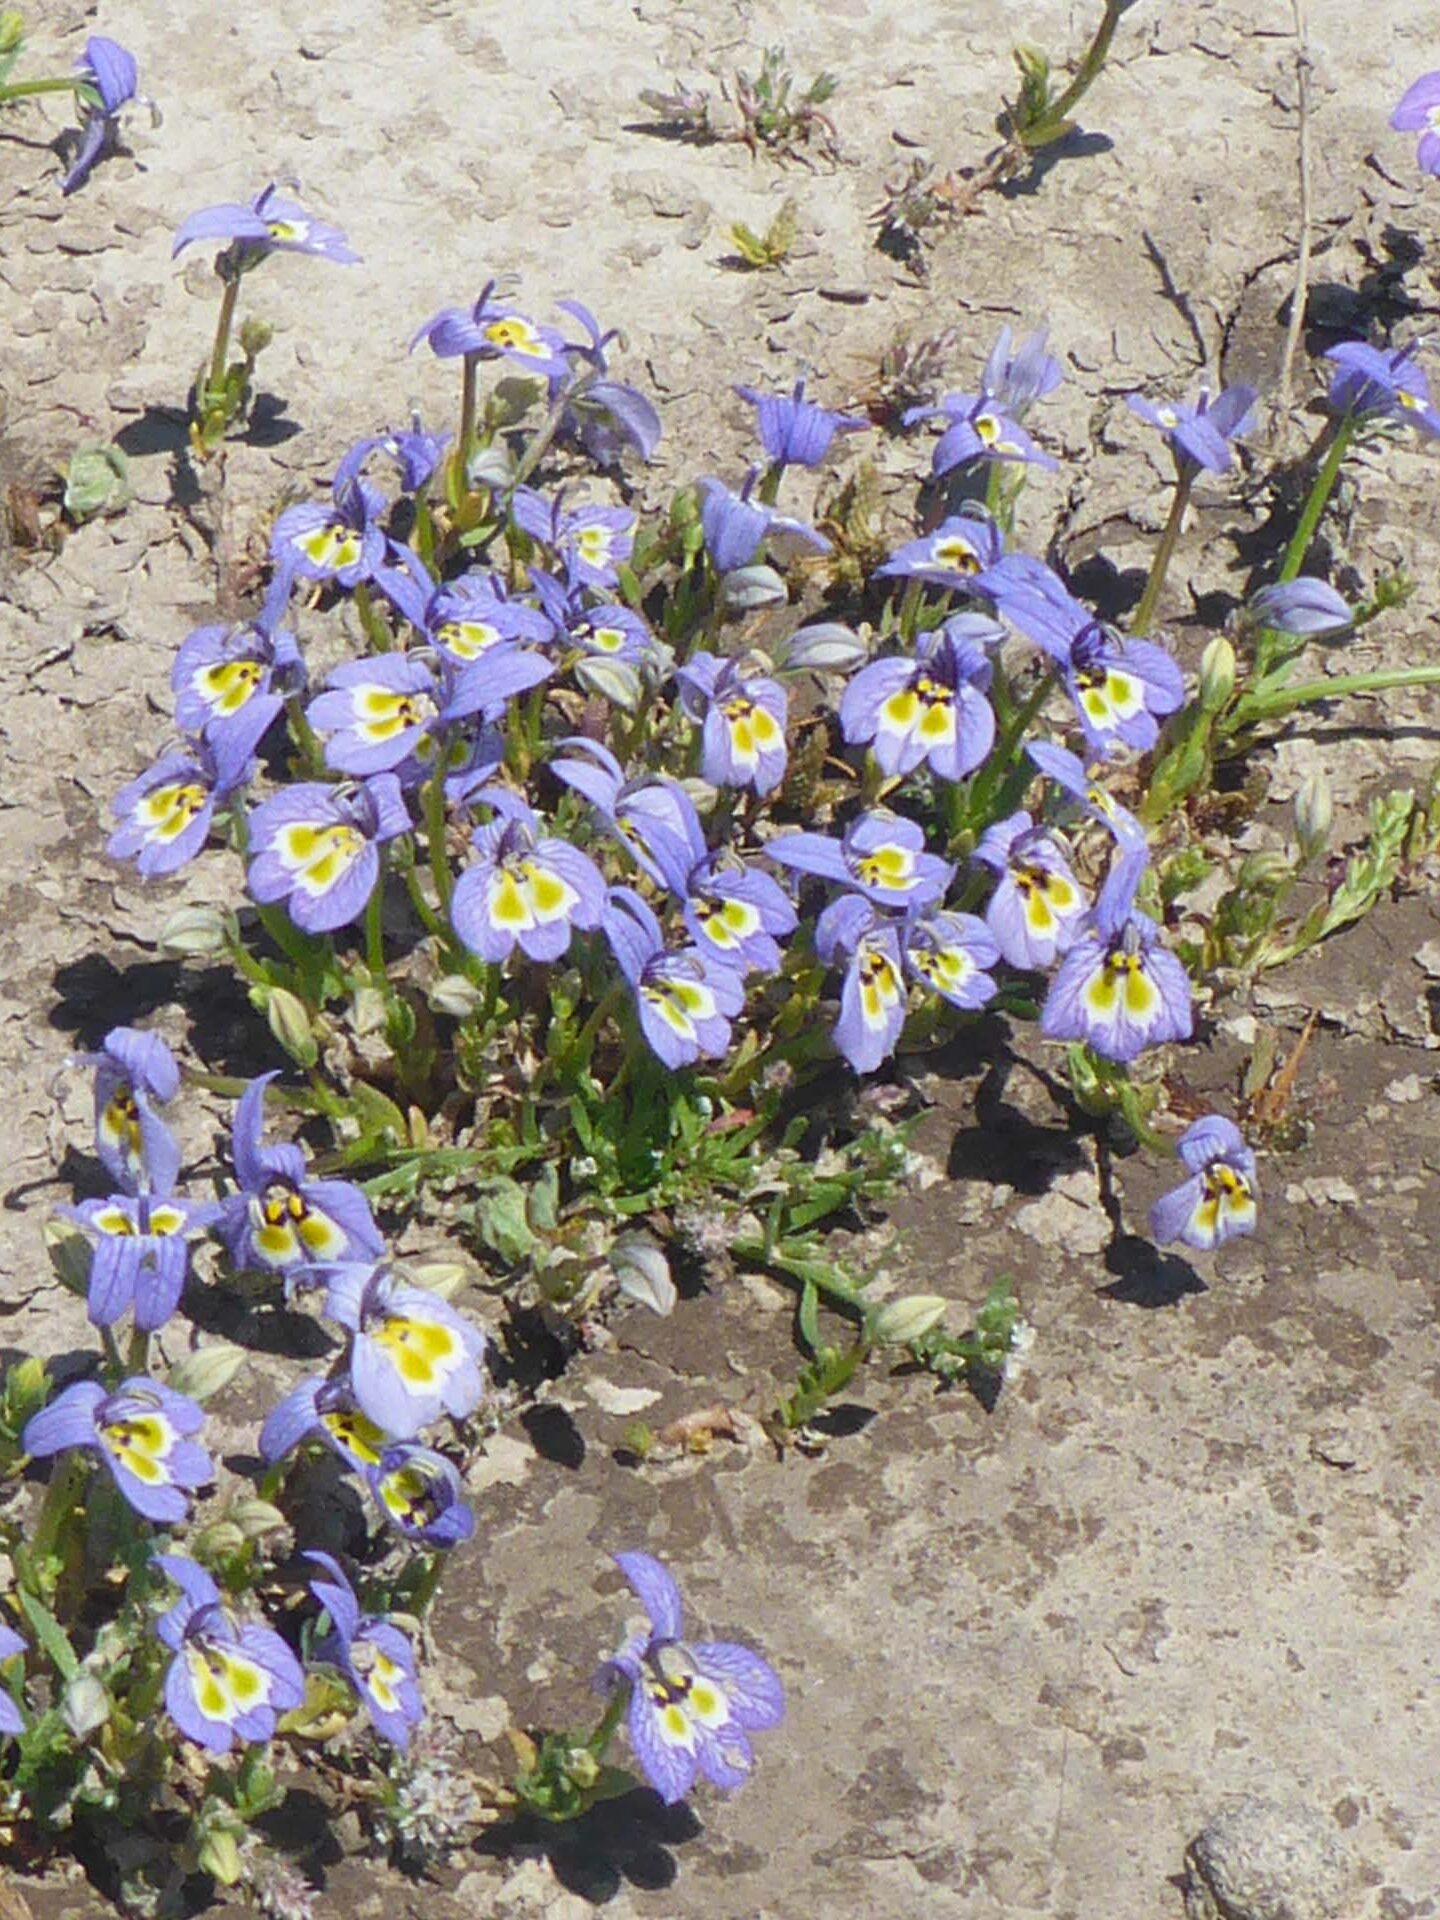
[(1299, 297)]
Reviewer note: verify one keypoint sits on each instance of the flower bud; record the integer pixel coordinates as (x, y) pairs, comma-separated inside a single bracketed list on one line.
[(1263, 872), (614, 680), (1305, 608), (455, 995), (750, 587), (254, 336), (84, 1705), (255, 1518), (490, 466), (217, 1542), (643, 1272), (12, 29), (826, 648), (1314, 812), (901, 1322), (290, 1024), (207, 1371), (194, 930), (1217, 674)]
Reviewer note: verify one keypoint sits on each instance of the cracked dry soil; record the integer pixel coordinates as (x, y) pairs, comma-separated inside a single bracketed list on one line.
[(1192, 1551)]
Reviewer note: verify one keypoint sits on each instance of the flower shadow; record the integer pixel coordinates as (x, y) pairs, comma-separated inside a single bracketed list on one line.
[(629, 1841)]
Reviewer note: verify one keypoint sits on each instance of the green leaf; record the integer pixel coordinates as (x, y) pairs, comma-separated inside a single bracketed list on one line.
[(807, 1316), (501, 1219), (49, 1633), (97, 481)]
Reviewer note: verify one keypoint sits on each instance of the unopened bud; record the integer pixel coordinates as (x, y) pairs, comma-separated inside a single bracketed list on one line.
[(750, 587), (455, 995), (490, 466), (207, 1371), (217, 1542), (900, 1322), (582, 1767), (1217, 674), (256, 1518), (85, 1705), (194, 930), (1314, 813), (1305, 608), (290, 1024), (827, 648), (1264, 872), (254, 336), (12, 29)]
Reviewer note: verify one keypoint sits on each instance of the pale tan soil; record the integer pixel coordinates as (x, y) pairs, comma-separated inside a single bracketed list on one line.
[(1192, 1553)]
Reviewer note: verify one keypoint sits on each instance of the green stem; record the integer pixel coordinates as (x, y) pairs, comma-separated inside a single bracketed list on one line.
[(375, 629), (419, 1601), (802, 1271), (429, 919), (435, 840), (26, 89), (1145, 613), (609, 1722), (220, 357), (1319, 495), (62, 1496), (1003, 753), (1089, 69), (540, 445), (375, 928), (307, 741), (1274, 706), (137, 1358), (465, 444)]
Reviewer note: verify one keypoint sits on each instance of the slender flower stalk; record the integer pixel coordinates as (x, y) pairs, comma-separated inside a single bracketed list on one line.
[(1318, 500), (1144, 616)]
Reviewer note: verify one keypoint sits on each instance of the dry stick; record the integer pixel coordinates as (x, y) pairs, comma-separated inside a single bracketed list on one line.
[(1300, 296)]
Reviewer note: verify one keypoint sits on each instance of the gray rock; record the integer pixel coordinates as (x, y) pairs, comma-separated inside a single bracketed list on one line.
[(1267, 1860)]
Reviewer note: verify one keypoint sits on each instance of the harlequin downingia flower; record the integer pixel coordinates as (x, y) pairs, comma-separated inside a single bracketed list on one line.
[(593, 542), (1200, 435), (412, 1356), (280, 1220), (1117, 988), (1037, 906), (693, 1705), (141, 1433), (415, 454), (491, 331), (166, 813), (1382, 386), (736, 527), (269, 224), (419, 1493), (1218, 1202), (230, 684), (393, 711), (1067, 770), (732, 913), (950, 953), (12, 1720), (141, 1254), (324, 1410), (964, 545), (231, 1679), (1017, 380), (1418, 111), (524, 888), (343, 543), (980, 429), (374, 1655), (684, 1000), (461, 618), (793, 430), (742, 719), (316, 848), (111, 77), (932, 708), (873, 996), (880, 855), (135, 1075), (604, 415)]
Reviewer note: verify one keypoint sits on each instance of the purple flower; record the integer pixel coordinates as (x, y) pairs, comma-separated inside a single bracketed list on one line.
[(111, 75), (1386, 386), (932, 708), (685, 1000), (270, 224), (12, 1720), (693, 1705), (375, 1656), (229, 685), (735, 526), (1016, 381), (280, 1221), (1217, 1202), (135, 1073), (881, 856), (873, 999), (958, 549), (1117, 988), (1200, 436), (742, 722), (326, 1411), (141, 1254), (605, 416), (230, 1679), (732, 914), (950, 953), (523, 889), (1306, 609), (412, 1356), (165, 813), (316, 848), (636, 811), (1035, 911), (793, 430), (1419, 111), (418, 1491), (416, 454), (141, 1433), (492, 331), (343, 542), (388, 712), (592, 542), (980, 429), (1067, 770)]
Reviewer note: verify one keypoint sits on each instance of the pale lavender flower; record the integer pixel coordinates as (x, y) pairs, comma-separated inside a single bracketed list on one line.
[(412, 1356), (733, 914), (1200, 436), (950, 953), (373, 1654), (932, 708), (419, 1492), (604, 415), (316, 847), (269, 224), (962, 546), (736, 527), (980, 429), (1418, 111), (230, 1679), (693, 1705), (1307, 609), (342, 543), (593, 542), (873, 997), (389, 711), (489, 330), (1383, 386), (324, 1410), (1117, 988), (12, 1720), (1218, 1202), (742, 720), (135, 1074), (684, 1000), (141, 1433), (524, 888), (230, 684), (1037, 906), (111, 77), (1015, 381), (880, 855), (1067, 770), (793, 430), (415, 453), (141, 1254), (165, 813)]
